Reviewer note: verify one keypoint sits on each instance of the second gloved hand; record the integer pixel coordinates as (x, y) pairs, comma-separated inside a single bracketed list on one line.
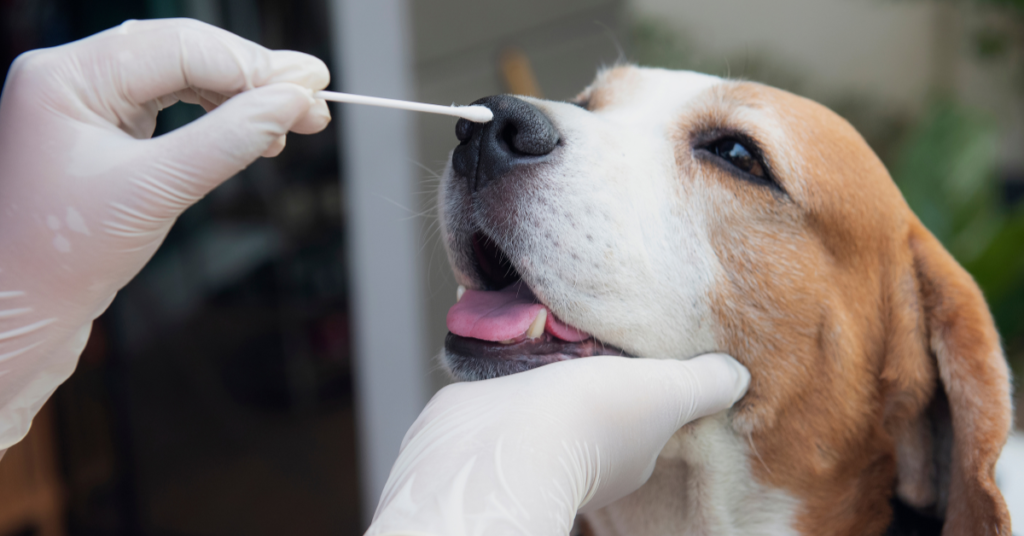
[(521, 454)]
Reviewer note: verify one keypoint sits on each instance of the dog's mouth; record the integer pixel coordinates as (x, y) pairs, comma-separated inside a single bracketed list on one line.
[(508, 330)]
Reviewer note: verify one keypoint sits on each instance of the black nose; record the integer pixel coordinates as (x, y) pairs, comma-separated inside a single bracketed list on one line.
[(519, 134)]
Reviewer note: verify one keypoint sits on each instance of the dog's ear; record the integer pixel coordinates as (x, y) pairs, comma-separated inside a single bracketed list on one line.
[(948, 406)]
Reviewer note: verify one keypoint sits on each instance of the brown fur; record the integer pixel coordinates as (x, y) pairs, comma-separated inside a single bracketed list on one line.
[(850, 317)]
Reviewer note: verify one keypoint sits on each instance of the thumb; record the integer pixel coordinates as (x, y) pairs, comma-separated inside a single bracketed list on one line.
[(196, 158), (707, 384)]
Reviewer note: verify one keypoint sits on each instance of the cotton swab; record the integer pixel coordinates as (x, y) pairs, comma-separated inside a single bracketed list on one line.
[(476, 113)]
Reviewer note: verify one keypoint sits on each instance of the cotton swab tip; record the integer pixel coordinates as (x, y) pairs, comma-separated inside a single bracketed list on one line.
[(476, 113)]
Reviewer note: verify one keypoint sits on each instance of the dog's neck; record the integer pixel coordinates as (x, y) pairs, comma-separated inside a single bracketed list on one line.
[(702, 485)]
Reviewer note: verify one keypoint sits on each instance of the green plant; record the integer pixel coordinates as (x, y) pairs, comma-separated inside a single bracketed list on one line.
[(947, 170)]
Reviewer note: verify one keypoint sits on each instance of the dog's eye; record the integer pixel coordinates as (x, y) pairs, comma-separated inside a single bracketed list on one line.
[(733, 151)]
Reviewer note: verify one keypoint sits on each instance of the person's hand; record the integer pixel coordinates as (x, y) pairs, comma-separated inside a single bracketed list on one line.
[(86, 196), (521, 454)]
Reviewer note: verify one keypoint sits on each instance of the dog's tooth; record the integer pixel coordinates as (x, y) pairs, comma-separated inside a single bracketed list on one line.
[(507, 342), (459, 292), (537, 327)]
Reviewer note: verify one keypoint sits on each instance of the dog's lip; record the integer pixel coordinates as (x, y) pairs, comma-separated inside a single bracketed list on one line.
[(506, 342), (473, 359), (529, 353)]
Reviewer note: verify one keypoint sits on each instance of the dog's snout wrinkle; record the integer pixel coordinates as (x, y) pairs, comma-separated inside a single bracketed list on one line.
[(519, 134)]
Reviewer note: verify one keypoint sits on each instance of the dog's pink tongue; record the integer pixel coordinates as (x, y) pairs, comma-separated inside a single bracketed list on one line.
[(503, 315)]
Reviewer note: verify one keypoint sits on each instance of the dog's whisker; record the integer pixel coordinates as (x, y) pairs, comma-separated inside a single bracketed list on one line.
[(425, 168), (622, 58), (750, 441), (399, 205)]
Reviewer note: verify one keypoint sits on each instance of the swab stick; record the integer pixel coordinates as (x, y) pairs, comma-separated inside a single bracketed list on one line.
[(477, 113)]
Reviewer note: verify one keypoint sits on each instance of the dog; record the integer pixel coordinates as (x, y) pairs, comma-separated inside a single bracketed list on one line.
[(666, 214)]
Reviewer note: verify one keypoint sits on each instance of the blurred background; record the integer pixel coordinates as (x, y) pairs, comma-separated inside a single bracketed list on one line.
[(259, 374)]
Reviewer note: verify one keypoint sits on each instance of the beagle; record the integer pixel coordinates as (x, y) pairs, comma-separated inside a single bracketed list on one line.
[(667, 214)]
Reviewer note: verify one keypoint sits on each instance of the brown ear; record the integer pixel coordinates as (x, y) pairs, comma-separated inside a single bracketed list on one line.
[(949, 408)]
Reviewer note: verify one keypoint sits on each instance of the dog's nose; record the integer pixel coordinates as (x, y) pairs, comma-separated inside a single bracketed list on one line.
[(518, 134)]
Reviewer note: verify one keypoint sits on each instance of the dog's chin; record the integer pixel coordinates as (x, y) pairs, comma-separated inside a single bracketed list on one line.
[(474, 359)]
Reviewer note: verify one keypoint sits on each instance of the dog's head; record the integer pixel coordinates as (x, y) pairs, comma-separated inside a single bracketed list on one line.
[(667, 214)]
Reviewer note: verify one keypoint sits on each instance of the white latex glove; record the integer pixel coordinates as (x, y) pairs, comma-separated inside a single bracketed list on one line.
[(521, 454), (86, 196)]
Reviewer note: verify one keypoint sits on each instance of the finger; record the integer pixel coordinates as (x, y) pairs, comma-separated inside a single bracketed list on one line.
[(209, 100), (317, 119), (706, 384), (166, 101), (207, 105), (276, 147), (669, 392), (314, 121), (194, 159), (216, 99), (188, 96), (159, 57)]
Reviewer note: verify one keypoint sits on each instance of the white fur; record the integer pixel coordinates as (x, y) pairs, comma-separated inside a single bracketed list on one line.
[(642, 283), (702, 485)]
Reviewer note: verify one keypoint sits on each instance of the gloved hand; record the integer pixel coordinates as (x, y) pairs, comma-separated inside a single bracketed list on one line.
[(521, 454), (86, 196)]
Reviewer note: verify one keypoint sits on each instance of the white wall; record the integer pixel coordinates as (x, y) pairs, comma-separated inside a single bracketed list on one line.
[(372, 57), (439, 51)]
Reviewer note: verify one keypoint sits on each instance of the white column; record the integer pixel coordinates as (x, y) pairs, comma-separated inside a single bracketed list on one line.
[(371, 46)]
